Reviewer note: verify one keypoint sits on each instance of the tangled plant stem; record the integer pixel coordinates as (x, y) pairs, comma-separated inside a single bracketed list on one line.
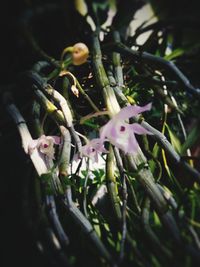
[(144, 212)]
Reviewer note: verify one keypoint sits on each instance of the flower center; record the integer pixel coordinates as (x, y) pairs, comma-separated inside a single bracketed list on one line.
[(45, 145), (122, 129)]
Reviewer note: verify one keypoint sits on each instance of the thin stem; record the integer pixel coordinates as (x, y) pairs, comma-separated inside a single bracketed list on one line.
[(60, 117), (112, 184), (86, 96), (144, 175), (123, 177), (51, 210), (85, 189), (195, 236), (170, 23), (182, 128), (62, 103), (124, 224), (158, 62), (85, 225), (67, 114), (64, 159), (26, 138), (49, 107), (165, 144), (149, 232), (102, 79), (162, 140), (116, 58), (70, 206)]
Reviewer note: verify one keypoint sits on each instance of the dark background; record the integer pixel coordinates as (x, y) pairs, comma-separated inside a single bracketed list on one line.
[(17, 248)]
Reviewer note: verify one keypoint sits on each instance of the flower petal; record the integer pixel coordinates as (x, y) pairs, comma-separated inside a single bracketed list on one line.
[(126, 143), (131, 111), (95, 158), (56, 139), (93, 148), (120, 133), (32, 145), (76, 157), (107, 128), (138, 129), (98, 145), (133, 145), (49, 151)]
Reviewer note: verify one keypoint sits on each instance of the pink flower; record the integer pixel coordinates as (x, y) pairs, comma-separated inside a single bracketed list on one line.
[(122, 134), (45, 145), (92, 149)]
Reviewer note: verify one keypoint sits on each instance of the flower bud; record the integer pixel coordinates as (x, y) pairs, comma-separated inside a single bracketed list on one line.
[(79, 54)]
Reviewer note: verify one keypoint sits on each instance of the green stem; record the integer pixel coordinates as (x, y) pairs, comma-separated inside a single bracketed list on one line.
[(158, 62), (112, 184), (102, 79), (159, 247), (144, 175)]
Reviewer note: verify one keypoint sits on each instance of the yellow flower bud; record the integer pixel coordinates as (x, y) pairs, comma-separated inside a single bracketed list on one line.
[(80, 53)]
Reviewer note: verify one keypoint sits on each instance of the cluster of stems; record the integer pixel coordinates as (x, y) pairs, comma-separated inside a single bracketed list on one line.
[(123, 173)]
